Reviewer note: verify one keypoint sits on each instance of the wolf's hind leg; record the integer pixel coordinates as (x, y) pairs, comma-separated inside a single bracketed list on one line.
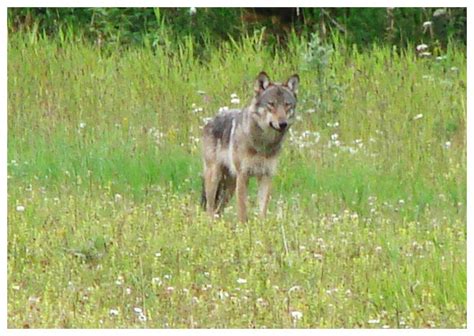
[(212, 176), (225, 191)]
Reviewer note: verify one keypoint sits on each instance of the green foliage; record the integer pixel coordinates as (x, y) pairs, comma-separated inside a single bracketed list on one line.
[(112, 27)]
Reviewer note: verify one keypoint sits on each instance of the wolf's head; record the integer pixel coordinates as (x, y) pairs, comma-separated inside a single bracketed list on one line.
[(275, 103)]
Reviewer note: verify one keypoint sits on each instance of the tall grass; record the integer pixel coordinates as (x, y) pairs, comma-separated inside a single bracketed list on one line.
[(367, 223)]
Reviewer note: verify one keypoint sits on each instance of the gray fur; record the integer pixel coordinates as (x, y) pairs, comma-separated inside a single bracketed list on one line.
[(238, 144)]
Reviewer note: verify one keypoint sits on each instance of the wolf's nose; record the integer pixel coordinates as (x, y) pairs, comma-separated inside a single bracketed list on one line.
[(283, 125)]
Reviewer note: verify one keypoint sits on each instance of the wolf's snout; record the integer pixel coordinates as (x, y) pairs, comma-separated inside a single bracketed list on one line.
[(283, 125)]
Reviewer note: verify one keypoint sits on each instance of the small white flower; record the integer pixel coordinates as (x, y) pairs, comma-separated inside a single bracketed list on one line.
[(170, 289), (137, 310), (20, 208), (334, 136), (425, 54), (233, 95), (241, 281), (427, 24), (311, 110), (421, 47), (192, 10), (296, 315), (235, 101), (167, 276), (373, 321), (119, 280), (206, 120), (113, 312), (294, 289), (157, 254), (223, 109), (454, 69), (142, 318), (117, 198), (128, 291), (447, 144), (418, 116), (156, 281), (82, 125), (318, 256), (33, 300), (378, 249)]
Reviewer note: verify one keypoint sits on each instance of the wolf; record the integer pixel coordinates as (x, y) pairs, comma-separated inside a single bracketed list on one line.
[(239, 144)]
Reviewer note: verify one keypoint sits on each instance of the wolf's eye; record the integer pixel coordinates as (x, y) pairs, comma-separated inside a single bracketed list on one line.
[(271, 104), (288, 105)]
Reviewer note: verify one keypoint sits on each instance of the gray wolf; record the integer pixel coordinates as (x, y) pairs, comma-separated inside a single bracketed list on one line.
[(239, 144)]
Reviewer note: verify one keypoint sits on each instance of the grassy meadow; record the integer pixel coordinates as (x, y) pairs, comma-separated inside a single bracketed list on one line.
[(367, 223)]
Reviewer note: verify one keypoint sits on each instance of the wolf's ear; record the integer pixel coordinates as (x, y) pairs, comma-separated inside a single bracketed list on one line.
[(293, 83), (262, 82)]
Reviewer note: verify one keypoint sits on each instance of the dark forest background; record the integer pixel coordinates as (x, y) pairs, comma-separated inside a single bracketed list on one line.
[(154, 26)]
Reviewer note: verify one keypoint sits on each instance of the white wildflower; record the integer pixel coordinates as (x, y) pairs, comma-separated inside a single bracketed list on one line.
[(82, 125), (235, 101), (241, 281), (418, 116), (20, 208), (137, 310), (113, 312), (373, 321), (296, 315), (117, 198), (427, 24), (294, 289), (421, 47), (318, 256), (119, 280), (192, 10), (33, 300)]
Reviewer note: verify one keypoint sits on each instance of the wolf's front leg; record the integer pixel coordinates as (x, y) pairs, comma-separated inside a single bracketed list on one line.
[(241, 191), (264, 188)]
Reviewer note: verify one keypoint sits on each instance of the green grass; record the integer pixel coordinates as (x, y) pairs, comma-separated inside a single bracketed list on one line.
[(367, 228)]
